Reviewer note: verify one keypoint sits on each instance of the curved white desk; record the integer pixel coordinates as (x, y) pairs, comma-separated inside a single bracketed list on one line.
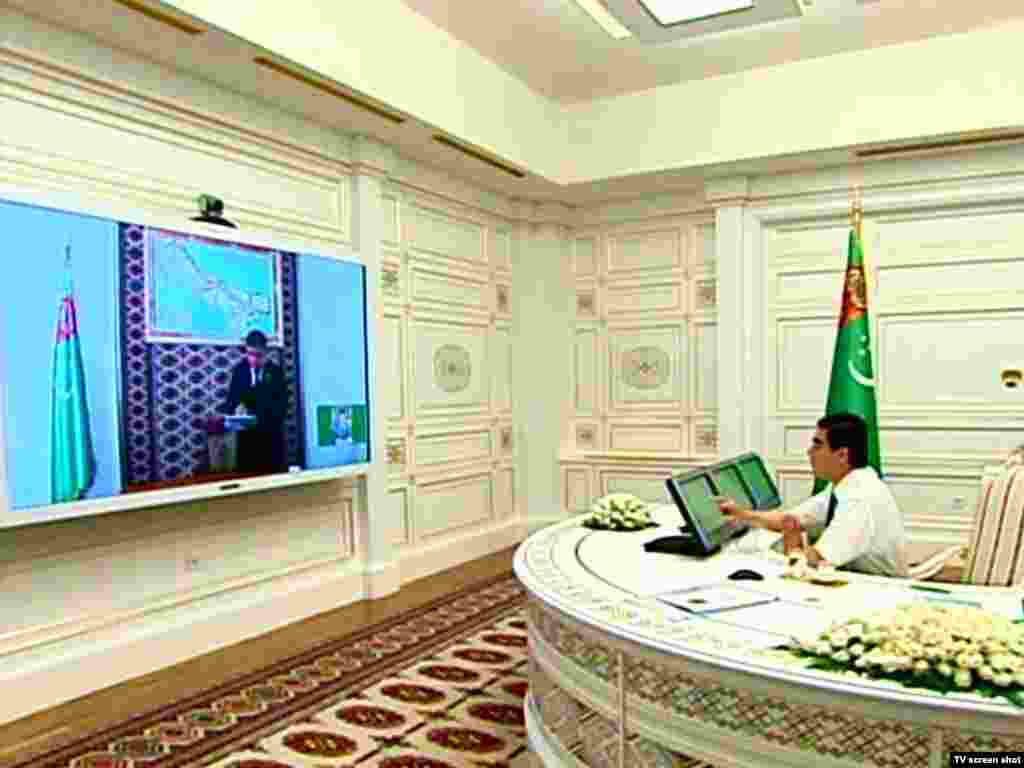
[(618, 677)]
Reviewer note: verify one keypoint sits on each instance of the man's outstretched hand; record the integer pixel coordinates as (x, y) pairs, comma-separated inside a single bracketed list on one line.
[(732, 510)]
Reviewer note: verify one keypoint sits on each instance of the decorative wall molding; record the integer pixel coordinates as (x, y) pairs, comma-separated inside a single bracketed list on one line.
[(901, 176), (373, 158), (48, 101), (396, 452), (586, 304), (390, 280), (729, 190), (943, 255), (150, 149), (62, 670), (637, 356), (449, 332), (507, 439), (706, 437), (39, 636), (643, 208), (707, 294), (448, 191)]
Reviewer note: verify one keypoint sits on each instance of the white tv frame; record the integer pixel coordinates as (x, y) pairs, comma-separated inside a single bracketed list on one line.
[(87, 206)]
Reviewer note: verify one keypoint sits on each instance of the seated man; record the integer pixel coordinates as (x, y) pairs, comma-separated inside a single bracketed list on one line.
[(863, 526)]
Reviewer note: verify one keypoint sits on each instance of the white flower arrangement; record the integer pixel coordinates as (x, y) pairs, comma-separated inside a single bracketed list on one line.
[(931, 646), (619, 512)]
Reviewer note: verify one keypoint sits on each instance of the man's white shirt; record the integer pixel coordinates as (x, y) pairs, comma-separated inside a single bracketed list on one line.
[(866, 533)]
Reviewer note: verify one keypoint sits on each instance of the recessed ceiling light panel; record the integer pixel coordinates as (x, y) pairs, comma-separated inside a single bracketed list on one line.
[(669, 12), (665, 21)]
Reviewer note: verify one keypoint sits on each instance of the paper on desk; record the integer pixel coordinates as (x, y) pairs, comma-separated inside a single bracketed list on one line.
[(780, 618), (731, 635), (712, 598)]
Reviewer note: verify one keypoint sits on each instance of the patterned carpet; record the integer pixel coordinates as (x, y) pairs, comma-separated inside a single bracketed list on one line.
[(441, 687)]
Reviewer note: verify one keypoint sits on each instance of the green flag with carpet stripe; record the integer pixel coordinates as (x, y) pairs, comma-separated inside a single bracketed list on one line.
[(852, 385), (72, 462)]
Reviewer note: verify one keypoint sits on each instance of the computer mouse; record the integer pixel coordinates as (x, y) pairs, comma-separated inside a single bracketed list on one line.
[(745, 574)]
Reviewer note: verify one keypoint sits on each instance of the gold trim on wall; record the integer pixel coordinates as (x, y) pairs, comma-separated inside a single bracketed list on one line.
[(333, 90), (161, 16), (476, 154)]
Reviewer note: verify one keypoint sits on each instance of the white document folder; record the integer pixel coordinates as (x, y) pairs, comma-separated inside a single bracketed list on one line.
[(712, 598)]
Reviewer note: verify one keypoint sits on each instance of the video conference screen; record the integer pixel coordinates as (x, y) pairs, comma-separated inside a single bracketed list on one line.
[(137, 359)]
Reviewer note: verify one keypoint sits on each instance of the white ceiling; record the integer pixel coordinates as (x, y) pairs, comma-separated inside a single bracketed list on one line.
[(553, 46), (559, 50)]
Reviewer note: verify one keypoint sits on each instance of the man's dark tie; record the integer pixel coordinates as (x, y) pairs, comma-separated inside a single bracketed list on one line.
[(832, 502)]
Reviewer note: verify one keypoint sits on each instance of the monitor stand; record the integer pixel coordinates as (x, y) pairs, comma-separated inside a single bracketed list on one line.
[(684, 544)]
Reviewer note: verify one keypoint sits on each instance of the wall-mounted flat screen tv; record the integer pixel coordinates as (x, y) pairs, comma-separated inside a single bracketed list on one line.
[(145, 364)]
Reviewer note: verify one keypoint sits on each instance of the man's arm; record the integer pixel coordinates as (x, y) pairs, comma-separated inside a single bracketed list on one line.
[(847, 538), (772, 519), (779, 520), (234, 392)]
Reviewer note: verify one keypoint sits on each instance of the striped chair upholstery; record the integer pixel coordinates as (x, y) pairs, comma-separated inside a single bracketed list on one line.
[(959, 553), (995, 555)]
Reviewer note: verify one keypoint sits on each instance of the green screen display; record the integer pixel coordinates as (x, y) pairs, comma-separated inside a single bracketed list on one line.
[(341, 422), (698, 496), (728, 482), (760, 482)]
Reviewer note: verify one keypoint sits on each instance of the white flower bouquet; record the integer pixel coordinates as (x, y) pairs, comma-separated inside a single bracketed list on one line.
[(922, 645), (619, 512)]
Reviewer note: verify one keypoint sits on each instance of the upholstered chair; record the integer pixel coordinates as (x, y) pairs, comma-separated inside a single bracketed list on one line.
[(994, 554)]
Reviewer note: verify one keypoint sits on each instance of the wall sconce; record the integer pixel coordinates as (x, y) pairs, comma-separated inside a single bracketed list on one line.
[(1011, 378)]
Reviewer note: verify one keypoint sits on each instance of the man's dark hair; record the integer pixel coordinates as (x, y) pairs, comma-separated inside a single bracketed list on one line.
[(256, 340), (847, 430)]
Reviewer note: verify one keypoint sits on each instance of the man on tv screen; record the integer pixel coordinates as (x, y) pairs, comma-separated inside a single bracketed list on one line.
[(258, 394)]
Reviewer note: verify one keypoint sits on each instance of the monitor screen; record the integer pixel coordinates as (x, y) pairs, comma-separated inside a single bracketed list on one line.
[(728, 482), (766, 495), (136, 359), (698, 496)]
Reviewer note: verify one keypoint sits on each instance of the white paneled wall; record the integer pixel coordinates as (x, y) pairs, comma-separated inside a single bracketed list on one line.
[(446, 329), (89, 602), (945, 261), (496, 416), (78, 596), (643, 377)]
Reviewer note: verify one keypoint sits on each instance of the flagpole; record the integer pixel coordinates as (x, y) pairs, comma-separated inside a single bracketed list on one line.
[(857, 214), (857, 224)]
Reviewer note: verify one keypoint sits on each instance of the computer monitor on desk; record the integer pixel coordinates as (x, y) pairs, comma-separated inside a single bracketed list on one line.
[(694, 495), (764, 493), (743, 479)]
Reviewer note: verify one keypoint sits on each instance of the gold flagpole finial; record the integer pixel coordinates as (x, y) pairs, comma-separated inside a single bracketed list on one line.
[(857, 213)]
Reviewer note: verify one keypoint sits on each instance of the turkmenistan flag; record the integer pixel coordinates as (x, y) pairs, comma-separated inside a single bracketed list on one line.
[(359, 425), (72, 462), (852, 386)]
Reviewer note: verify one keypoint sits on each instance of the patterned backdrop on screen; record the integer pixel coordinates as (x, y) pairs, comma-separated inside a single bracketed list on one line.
[(170, 389)]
